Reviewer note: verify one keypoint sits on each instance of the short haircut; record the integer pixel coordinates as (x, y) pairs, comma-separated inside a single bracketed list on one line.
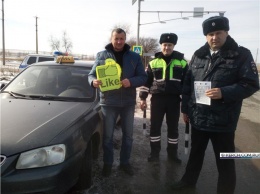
[(118, 31)]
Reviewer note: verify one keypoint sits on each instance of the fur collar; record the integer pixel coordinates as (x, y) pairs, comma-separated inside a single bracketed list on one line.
[(228, 50)]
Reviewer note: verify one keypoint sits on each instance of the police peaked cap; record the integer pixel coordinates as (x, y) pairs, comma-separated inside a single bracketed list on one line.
[(215, 23), (168, 37)]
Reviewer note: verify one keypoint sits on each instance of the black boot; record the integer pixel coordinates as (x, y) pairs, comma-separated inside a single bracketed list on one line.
[(173, 153), (153, 157), (155, 150), (106, 172), (174, 158)]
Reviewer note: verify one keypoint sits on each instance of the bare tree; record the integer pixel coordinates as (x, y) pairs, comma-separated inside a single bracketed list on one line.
[(150, 45), (66, 42), (54, 43)]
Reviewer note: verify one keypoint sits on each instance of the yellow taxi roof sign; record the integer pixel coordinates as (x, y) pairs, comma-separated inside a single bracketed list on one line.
[(65, 59)]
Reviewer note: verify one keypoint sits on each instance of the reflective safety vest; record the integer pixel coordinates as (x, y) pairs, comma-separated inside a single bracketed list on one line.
[(175, 67)]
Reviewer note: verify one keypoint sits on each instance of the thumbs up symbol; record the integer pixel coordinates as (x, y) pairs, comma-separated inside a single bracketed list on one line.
[(110, 70), (109, 61)]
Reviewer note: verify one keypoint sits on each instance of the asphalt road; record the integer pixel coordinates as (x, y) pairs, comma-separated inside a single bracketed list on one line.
[(155, 178)]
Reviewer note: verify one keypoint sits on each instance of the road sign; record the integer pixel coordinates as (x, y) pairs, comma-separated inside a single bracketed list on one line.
[(198, 12), (138, 49)]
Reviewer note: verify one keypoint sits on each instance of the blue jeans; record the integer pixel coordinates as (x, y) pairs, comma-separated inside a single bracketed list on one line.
[(110, 115)]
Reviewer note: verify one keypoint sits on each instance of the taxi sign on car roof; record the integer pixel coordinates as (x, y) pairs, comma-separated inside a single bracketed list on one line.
[(65, 59)]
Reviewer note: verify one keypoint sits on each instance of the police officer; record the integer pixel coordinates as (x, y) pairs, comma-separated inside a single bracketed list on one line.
[(232, 73), (165, 77)]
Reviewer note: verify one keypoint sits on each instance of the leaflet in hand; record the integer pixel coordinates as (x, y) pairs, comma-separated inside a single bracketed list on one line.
[(200, 88)]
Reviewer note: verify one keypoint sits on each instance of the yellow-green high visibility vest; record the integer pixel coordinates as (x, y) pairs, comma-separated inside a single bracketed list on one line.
[(161, 64)]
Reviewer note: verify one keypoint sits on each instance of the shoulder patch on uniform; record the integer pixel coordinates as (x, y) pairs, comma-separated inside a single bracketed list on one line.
[(253, 67)]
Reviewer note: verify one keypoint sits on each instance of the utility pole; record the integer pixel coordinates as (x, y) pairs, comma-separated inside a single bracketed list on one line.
[(138, 22), (138, 18), (256, 55), (3, 28), (36, 35)]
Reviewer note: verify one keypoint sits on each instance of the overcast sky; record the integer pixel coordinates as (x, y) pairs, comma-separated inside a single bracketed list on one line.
[(88, 23)]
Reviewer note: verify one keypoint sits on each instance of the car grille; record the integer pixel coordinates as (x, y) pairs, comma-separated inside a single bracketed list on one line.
[(2, 158)]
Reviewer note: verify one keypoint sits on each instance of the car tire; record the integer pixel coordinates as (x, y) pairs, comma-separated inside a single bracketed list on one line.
[(85, 176)]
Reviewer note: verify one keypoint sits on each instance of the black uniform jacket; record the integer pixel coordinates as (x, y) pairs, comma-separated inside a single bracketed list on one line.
[(167, 86), (233, 71)]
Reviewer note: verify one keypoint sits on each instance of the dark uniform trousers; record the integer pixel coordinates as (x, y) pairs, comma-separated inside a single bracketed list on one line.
[(222, 142), (161, 105)]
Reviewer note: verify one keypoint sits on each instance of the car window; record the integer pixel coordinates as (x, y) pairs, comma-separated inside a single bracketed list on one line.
[(45, 59), (79, 79), (59, 81), (31, 60), (24, 60), (25, 81)]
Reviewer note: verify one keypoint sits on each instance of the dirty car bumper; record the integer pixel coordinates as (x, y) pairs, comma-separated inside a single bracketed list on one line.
[(52, 179)]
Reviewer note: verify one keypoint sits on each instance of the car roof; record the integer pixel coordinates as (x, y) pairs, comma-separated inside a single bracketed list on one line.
[(75, 63), (40, 55)]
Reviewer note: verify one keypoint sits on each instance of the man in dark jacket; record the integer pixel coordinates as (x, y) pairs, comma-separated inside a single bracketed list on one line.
[(165, 77), (230, 72), (119, 101)]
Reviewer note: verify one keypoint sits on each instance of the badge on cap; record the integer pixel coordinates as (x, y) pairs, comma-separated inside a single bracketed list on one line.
[(168, 37), (213, 24)]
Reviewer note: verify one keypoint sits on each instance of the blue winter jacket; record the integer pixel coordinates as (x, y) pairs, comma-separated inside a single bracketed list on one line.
[(132, 69)]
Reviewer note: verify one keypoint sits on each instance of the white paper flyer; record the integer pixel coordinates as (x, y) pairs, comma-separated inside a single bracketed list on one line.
[(200, 88)]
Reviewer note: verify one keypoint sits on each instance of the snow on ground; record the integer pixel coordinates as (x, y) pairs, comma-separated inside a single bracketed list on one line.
[(8, 71)]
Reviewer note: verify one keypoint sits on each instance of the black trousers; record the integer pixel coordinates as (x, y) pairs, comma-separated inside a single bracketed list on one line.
[(222, 142), (161, 105)]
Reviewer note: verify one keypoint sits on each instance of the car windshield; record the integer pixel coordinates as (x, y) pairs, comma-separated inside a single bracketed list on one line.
[(52, 82)]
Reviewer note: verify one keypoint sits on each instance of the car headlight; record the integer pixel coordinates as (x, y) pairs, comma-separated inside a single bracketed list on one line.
[(41, 157)]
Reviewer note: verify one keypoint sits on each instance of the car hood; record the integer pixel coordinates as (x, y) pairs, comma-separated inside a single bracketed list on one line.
[(28, 124)]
